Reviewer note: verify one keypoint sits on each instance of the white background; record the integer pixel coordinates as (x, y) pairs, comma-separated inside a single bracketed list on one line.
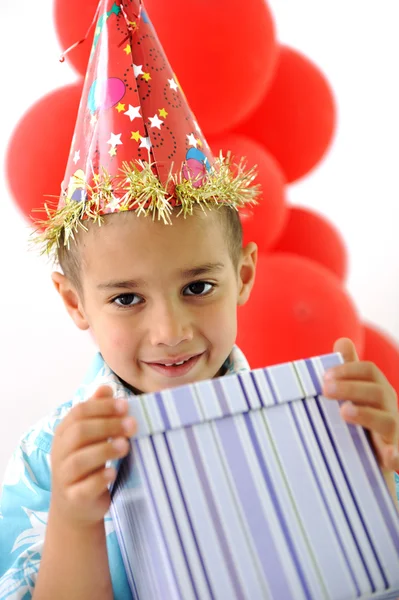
[(356, 44)]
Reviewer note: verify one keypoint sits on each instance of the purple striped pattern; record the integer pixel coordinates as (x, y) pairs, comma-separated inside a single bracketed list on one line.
[(239, 419), (214, 515), (237, 462)]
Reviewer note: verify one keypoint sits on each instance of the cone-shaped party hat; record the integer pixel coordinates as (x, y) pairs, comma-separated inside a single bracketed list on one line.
[(137, 145)]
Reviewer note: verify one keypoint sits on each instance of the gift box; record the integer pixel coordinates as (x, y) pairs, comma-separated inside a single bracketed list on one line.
[(252, 486)]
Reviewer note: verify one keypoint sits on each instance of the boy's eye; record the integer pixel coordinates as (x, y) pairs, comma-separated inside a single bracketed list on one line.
[(126, 300), (199, 288)]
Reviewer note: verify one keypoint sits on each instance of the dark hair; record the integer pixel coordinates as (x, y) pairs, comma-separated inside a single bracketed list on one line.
[(70, 261)]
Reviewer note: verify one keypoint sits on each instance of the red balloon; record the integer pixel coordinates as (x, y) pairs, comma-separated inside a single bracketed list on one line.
[(296, 119), (223, 53), (39, 147), (72, 22), (382, 350), (264, 222), (309, 234), (297, 309)]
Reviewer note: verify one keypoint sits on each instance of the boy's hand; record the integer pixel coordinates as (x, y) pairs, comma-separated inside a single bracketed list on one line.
[(81, 447), (371, 403)]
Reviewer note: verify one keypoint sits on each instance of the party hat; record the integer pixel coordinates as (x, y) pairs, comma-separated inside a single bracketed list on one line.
[(137, 145)]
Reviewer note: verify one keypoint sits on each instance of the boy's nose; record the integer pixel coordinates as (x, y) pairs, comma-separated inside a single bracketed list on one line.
[(169, 326)]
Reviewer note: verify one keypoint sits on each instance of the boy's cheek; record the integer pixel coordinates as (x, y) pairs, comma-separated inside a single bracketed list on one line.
[(106, 337), (118, 341)]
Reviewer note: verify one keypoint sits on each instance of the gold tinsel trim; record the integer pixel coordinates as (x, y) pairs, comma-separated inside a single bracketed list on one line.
[(143, 192), (138, 188)]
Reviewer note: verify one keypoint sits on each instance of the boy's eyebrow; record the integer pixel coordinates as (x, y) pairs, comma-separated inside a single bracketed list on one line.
[(201, 270), (184, 274), (127, 285)]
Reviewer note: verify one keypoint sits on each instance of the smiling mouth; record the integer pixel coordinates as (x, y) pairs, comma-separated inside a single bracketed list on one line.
[(176, 368), (173, 363)]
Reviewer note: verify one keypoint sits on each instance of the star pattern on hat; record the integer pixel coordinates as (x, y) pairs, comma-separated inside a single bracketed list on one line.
[(192, 140), (173, 85), (155, 121), (114, 204), (137, 70), (145, 142), (133, 112), (115, 139)]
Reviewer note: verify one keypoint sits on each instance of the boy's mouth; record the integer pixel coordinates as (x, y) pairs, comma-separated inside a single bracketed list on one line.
[(176, 367)]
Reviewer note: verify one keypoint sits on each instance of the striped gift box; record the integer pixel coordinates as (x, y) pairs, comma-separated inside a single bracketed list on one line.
[(251, 486)]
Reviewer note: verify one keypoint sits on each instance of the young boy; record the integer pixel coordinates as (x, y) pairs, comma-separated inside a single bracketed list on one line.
[(160, 300)]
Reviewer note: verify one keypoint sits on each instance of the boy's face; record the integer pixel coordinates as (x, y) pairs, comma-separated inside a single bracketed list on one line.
[(156, 294)]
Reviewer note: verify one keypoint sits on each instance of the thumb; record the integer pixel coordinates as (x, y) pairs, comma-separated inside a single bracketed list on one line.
[(347, 348), (104, 391)]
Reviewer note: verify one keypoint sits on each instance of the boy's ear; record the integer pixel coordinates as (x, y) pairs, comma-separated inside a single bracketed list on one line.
[(246, 272), (71, 299)]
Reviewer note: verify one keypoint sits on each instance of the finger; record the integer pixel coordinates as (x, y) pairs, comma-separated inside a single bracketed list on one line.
[(88, 460), (361, 393), (91, 431), (92, 487), (387, 454), (377, 421), (361, 370), (104, 391), (100, 406), (347, 348), (389, 458)]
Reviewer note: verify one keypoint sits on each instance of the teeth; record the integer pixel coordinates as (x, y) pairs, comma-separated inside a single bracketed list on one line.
[(175, 364)]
